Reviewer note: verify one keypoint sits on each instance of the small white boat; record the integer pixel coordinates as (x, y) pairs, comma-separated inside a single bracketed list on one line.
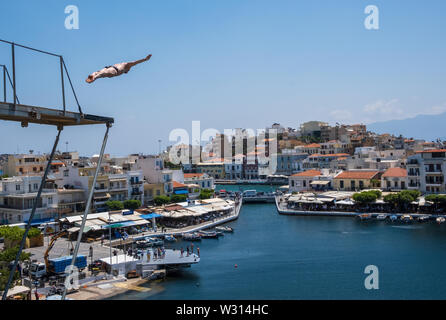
[(423, 218), (381, 217), (440, 220), (224, 229), (393, 217)]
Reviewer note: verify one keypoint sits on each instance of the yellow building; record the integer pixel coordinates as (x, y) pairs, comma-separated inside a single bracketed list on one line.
[(357, 180), (213, 169), (152, 190), (24, 164)]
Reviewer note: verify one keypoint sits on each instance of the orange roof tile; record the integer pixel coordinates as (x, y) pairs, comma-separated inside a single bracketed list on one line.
[(330, 155), (395, 172), (313, 145), (308, 173), (193, 175), (357, 175), (433, 150), (177, 184)]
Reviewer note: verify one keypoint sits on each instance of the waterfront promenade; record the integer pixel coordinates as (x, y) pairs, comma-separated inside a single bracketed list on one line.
[(179, 231), (281, 206)]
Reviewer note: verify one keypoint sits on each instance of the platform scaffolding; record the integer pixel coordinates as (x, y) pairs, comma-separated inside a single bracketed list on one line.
[(25, 114)]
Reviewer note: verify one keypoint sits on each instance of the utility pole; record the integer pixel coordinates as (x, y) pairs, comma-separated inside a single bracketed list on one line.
[(159, 147)]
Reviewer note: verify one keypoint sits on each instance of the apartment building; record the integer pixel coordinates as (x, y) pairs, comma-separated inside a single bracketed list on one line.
[(24, 164), (17, 197), (426, 171)]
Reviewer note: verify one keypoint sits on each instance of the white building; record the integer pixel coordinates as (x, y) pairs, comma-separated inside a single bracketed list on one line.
[(203, 180), (18, 196), (426, 171)]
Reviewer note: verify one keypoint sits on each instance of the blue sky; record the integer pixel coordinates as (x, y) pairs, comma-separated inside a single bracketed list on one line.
[(227, 63)]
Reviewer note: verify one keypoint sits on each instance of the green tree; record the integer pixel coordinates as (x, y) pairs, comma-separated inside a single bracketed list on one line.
[(206, 193), (6, 257), (160, 200), (178, 198), (114, 205), (403, 198), (132, 204), (365, 197)]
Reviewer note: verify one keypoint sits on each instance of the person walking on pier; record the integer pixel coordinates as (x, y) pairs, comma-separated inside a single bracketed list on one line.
[(182, 250)]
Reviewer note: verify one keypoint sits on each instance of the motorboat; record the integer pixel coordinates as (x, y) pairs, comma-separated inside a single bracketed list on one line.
[(393, 217), (364, 216), (208, 234), (423, 218), (192, 236), (440, 220), (381, 217), (224, 229), (406, 218), (156, 242), (170, 238)]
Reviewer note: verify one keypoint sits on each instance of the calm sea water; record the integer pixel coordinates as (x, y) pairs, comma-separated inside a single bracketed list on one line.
[(286, 257)]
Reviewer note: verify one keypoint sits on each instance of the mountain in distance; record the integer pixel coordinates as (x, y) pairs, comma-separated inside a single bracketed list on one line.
[(427, 127)]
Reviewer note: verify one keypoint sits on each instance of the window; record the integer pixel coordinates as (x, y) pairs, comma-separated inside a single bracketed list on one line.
[(36, 186), (341, 184), (65, 173), (17, 187)]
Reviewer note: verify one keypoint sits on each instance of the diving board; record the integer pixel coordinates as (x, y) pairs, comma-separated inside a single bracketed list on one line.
[(39, 115)]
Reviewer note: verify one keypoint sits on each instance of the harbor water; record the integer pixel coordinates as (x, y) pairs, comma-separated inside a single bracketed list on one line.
[(272, 256)]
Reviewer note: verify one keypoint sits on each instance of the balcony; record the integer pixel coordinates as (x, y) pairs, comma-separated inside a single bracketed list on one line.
[(133, 182), (136, 193)]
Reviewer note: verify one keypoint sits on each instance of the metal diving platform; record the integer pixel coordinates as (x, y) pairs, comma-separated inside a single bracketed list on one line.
[(31, 114)]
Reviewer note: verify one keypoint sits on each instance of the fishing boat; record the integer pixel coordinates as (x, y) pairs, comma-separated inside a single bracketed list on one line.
[(393, 217), (170, 238), (440, 220), (423, 218), (364, 216), (192, 236), (208, 234), (224, 229), (381, 217), (406, 218)]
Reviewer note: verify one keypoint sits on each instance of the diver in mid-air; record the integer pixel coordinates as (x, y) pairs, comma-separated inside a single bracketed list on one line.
[(115, 70)]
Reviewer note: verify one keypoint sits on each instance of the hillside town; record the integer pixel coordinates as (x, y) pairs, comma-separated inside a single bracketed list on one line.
[(316, 157)]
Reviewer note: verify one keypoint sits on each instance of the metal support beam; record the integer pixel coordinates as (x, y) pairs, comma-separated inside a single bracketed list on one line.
[(87, 208), (13, 74), (63, 86), (4, 84), (28, 226)]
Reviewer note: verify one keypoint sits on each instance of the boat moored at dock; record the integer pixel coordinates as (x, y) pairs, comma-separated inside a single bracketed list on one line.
[(224, 229), (407, 218), (254, 196), (440, 220)]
